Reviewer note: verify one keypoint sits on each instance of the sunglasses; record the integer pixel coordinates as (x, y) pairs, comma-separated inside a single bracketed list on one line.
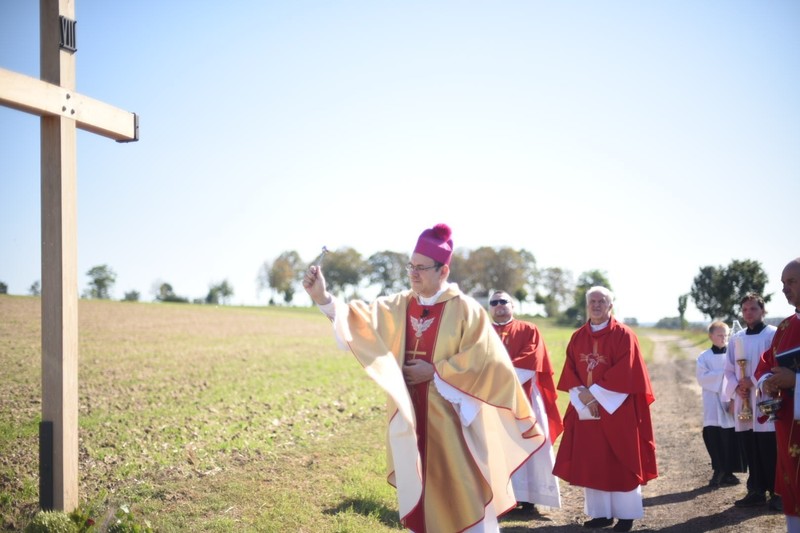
[(498, 302)]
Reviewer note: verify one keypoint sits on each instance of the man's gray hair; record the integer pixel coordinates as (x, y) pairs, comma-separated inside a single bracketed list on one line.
[(602, 290)]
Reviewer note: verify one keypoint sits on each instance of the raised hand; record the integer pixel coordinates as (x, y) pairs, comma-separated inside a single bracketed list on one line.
[(314, 284)]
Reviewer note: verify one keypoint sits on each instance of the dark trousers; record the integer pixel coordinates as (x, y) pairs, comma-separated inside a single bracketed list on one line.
[(761, 452), (723, 449)]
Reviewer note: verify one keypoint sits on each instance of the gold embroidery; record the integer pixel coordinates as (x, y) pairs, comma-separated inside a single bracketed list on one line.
[(592, 360), (794, 450), (414, 353)]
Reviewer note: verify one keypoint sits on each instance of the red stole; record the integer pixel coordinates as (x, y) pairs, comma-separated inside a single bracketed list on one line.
[(787, 429), (422, 329)]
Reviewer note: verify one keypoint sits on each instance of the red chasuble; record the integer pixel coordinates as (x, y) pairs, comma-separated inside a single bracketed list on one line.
[(787, 429), (528, 351), (616, 452)]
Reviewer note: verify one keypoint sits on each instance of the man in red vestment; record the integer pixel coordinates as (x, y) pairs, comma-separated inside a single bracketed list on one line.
[(608, 446), (459, 422), (534, 483), (781, 381)]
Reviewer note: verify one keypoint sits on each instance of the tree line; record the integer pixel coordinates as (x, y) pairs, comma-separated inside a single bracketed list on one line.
[(102, 279), (715, 291), (477, 272)]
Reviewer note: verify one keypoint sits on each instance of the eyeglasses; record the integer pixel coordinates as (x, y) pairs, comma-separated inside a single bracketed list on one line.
[(494, 303), (417, 268)]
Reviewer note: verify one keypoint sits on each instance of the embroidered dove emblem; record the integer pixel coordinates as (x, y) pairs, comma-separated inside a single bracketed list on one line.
[(420, 325)]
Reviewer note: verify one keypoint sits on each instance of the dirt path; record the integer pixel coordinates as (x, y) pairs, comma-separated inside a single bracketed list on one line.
[(679, 500)]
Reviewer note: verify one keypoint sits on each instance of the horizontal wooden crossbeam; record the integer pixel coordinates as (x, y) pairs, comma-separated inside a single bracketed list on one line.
[(38, 97)]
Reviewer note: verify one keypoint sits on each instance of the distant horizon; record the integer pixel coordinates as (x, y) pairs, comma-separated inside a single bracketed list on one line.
[(645, 140), (305, 302)]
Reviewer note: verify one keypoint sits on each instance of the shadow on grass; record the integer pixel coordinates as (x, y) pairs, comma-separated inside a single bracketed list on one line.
[(387, 516)]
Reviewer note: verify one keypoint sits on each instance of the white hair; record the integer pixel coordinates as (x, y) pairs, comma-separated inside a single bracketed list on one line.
[(602, 290)]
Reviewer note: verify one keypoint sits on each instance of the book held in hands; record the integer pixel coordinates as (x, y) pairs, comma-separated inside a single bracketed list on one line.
[(789, 359)]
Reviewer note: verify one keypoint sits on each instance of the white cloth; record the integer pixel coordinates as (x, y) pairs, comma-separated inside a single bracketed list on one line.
[(604, 504), (710, 373), (749, 348), (580, 407), (489, 523), (534, 482), (610, 400), (465, 405)]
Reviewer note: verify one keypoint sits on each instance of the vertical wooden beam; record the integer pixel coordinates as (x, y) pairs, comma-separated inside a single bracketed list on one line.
[(59, 263)]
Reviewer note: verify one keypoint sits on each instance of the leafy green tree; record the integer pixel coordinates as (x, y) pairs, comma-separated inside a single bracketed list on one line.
[(102, 281), (131, 296), (283, 274), (672, 322), (716, 291), (3, 288), (219, 293), (459, 269), (576, 314), (556, 284), (682, 303), (35, 288), (388, 271), (501, 268), (342, 269), (521, 295), (165, 293)]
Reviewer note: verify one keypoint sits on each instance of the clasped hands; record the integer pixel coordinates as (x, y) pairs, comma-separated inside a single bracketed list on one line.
[(416, 371)]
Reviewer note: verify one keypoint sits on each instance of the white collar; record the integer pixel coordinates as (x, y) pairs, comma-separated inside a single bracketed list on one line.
[(503, 323), (598, 327), (432, 299)]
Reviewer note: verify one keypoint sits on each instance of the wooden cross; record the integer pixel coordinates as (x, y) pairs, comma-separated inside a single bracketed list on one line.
[(62, 110)]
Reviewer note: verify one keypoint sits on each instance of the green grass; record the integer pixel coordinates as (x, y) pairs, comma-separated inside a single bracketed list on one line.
[(206, 418)]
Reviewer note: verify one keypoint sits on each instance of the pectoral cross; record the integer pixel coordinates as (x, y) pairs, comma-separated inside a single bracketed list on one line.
[(62, 110)]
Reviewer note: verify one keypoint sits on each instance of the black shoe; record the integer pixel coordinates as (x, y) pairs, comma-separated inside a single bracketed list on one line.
[(729, 480), (596, 523), (716, 479), (751, 500), (775, 503), (624, 524), (523, 509)]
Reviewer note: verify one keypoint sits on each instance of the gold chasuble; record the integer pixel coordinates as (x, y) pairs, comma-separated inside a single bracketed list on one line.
[(453, 442)]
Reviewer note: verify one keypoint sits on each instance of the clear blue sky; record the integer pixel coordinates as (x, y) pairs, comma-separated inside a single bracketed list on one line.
[(646, 139)]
